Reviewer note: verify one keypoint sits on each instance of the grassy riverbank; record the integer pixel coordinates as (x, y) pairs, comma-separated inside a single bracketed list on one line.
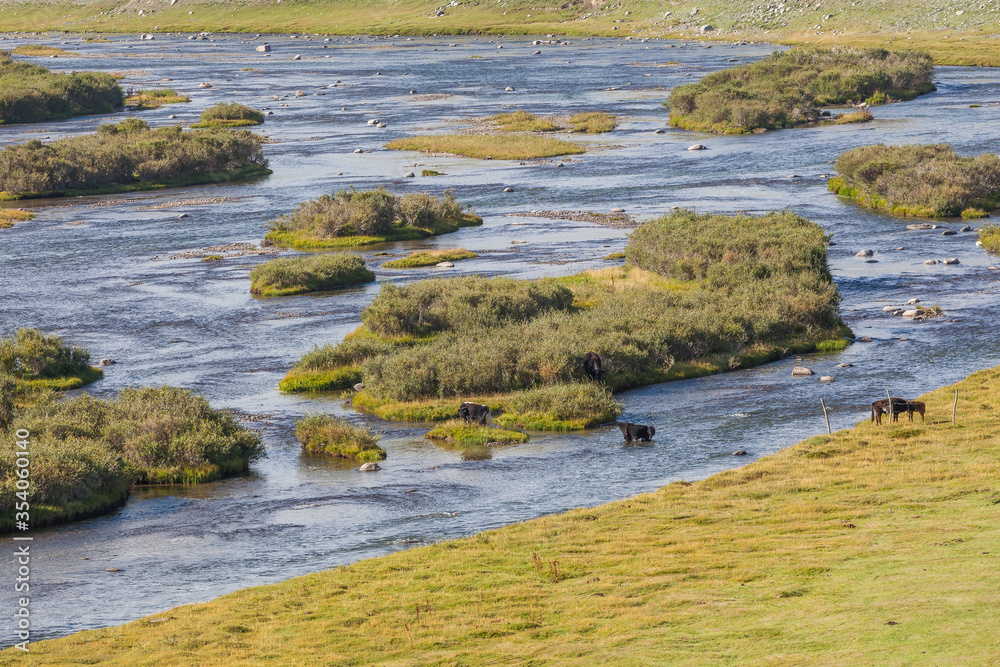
[(923, 180), (700, 294), (349, 219), (126, 157), (869, 546), (33, 94), (787, 89), (951, 38)]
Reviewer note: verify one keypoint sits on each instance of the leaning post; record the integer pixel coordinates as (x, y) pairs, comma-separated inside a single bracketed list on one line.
[(954, 407), (825, 415)]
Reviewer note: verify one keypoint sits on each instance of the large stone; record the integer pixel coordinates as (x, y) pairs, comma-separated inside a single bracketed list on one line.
[(263, 48), (864, 253), (801, 371), (911, 313), (300, 93), (706, 28), (951, 260), (949, 232), (106, 362), (296, 57), (912, 301), (444, 265), (370, 467), (888, 309), (147, 36), (921, 225), (204, 85), (827, 379), (930, 261), (697, 147), (844, 365), (740, 452)]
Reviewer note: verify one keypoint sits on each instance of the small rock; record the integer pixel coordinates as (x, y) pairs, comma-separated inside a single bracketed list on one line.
[(951, 260), (560, 165), (263, 48), (508, 189), (863, 339), (966, 229), (912, 301), (617, 210), (509, 89), (898, 311), (373, 121), (413, 92), (844, 365), (409, 174), (112, 569), (911, 313), (801, 371), (697, 147), (182, 216), (536, 53), (827, 378), (299, 93), (706, 28), (106, 362), (871, 261), (921, 225), (358, 150), (359, 386), (864, 253), (993, 268), (888, 309), (949, 232), (794, 176), (147, 36), (445, 265), (930, 261), (296, 57), (740, 452), (659, 131), (204, 85), (171, 117), (370, 467), (380, 125)]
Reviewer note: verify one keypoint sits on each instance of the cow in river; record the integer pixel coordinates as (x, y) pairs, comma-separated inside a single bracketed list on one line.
[(592, 366), (637, 432), (475, 413)]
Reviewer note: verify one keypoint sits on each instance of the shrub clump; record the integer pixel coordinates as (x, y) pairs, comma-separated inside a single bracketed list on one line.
[(127, 156), (925, 180), (327, 434), (420, 258), (33, 94), (457, 432), (989, 235), (87, 452), (31, 355), (311, 273), (787, 89), (153, 98), (350, 218), (229, 114)]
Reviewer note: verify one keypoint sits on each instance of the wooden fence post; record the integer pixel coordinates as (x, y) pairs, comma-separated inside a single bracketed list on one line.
[(825, 415)]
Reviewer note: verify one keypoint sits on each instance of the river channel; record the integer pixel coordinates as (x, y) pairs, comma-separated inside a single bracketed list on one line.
[(123, 276)]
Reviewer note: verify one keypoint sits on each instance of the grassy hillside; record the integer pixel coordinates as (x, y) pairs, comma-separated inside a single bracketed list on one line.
[(935, 25), (875, 545)]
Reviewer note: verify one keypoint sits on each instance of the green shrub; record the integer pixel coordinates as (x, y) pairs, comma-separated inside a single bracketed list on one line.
[(787, 89), (327, 434), (420, 258), (927, 180), (124, 154), (990, 237), (29, 354), (229, 114), (8, 392), (309, 273), (33, 94), (561, 407)]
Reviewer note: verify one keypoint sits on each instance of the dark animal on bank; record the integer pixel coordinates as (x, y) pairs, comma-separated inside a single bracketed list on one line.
[(592, 366), (475, 413), (915, 406), (637, 432), (882, 407)]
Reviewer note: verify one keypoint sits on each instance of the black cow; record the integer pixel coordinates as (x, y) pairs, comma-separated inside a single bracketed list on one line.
[(474, 412), (637, 432), (592, 366), (881, 407)]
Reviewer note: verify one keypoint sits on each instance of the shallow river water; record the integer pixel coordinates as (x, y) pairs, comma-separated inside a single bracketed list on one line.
[(104, 273)]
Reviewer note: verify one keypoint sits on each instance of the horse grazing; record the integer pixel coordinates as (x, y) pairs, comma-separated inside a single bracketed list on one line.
[(915, 406), (893, 405), (592, 366)]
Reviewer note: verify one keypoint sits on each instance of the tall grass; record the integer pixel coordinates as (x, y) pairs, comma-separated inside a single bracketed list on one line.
[(503, 147), (925, 180), (8, 216), (327, 434), (311, 273), (229, 114), (152, 98), (593, 122), (349, 217), (420, 258), (522, 121), (124, 154), (87, 452), (32, 94), (787, 89)]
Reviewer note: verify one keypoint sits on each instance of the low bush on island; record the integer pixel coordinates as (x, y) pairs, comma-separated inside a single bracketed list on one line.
[(350, 218), (700, 294), (312, 273), (129, 156), (33, 94), (39, 361), (420, 258), (326, 434), (229, 114), (923, 180), (787, 89), (153, 98), (485, 146), (989, 235), (86, 453)]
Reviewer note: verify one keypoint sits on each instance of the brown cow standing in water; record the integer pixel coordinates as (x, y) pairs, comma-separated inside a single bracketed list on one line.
[(637, 432)]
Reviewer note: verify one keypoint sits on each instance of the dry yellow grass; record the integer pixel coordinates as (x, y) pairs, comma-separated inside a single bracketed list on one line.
[(876, 545), (505, 147), (8, 216)]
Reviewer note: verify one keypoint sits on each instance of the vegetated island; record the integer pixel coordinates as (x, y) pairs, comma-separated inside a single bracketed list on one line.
[(286, 276), (419, 258), (154, 98), (87, 453), (989, 236), (8, 216), (587, 122), (474, 441), (922, 180), (349, 218), (787, 89), (33, 94), (782, 548), (229, 114), (700, 294), (128, 157), (333, 436)]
